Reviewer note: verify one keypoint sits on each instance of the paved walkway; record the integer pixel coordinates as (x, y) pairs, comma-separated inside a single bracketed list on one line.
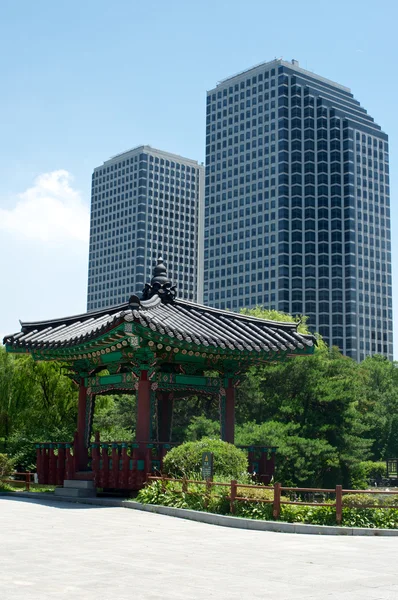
[(79, 552)]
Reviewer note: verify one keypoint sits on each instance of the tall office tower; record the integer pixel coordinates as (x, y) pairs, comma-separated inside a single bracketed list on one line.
[(144, 203), (297, 209)]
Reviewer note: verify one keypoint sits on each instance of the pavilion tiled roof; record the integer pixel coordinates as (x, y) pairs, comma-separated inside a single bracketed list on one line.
[(160, 311), (181, 319)]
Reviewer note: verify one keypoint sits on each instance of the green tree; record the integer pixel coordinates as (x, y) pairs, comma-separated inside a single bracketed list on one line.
[(299, 460), (16, 390), (201, 427), (378, 404), (115, 417), (275, 315), (317, 395)]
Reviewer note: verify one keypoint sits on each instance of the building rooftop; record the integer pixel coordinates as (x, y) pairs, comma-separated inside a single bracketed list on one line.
[(150, 150), (294, 65)]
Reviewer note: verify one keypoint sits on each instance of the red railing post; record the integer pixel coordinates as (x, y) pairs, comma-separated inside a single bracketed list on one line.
[(133, 479), (39, 463), (27, 485), (95, 459), (45, 464), (234, 488), (105, 466), (339, 504), (114, 472), (60, 473), (52, 466), (123, 474), (277, 501)]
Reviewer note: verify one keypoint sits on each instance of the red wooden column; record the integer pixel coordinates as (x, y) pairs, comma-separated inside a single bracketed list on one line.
[(143, 428), (230, 412), (80, 450)]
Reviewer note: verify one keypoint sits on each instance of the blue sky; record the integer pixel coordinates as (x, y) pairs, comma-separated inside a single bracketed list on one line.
[(84, 80)]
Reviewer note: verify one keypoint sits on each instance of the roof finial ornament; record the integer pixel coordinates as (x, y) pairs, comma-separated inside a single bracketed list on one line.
[(160, 285)]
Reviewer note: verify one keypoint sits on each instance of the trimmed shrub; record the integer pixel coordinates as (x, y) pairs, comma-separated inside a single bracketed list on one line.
[(186, 460)]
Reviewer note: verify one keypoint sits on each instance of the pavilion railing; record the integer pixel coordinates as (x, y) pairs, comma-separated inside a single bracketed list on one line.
[(115, 465), (124, 465), (55, 462)]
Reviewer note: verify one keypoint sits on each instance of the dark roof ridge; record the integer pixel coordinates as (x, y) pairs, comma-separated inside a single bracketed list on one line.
[(234, 315), (85, 316)]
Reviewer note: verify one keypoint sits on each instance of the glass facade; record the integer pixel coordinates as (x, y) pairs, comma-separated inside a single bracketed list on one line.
[(297, 207), (144, 203)]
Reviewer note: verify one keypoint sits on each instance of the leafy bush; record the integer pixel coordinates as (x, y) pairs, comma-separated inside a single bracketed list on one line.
[(23, 452), (254, 510), (265, 493), (197, 499), (185, 460), (315, 515), (365, 471), (22, 447), (383, 518), (5, 487), (171, 494), (352, 500), (6, 466), (322, 515)]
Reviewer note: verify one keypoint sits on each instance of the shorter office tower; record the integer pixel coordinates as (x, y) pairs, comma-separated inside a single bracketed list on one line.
[(144, 203)]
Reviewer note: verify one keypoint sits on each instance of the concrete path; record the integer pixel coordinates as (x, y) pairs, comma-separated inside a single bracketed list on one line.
[(80, 552)]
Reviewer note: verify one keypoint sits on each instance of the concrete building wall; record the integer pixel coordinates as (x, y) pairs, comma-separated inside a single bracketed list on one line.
[(144, 203)]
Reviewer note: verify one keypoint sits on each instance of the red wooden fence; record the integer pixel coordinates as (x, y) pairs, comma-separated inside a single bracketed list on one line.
[(278, 498)]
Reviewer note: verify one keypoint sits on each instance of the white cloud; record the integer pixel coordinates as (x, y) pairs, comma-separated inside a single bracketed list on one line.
[(50, 211)]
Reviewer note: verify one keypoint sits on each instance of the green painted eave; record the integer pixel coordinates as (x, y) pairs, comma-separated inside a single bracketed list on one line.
[(120, 345)]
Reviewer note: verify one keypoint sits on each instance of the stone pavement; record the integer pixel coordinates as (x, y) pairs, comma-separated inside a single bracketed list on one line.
[(81, 552)]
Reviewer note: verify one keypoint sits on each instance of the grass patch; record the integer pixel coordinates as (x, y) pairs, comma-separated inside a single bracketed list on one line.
[(18, 486)]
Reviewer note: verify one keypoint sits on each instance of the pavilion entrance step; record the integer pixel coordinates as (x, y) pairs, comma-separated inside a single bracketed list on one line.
[(76, 488), (84, 475), (79, 484)]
